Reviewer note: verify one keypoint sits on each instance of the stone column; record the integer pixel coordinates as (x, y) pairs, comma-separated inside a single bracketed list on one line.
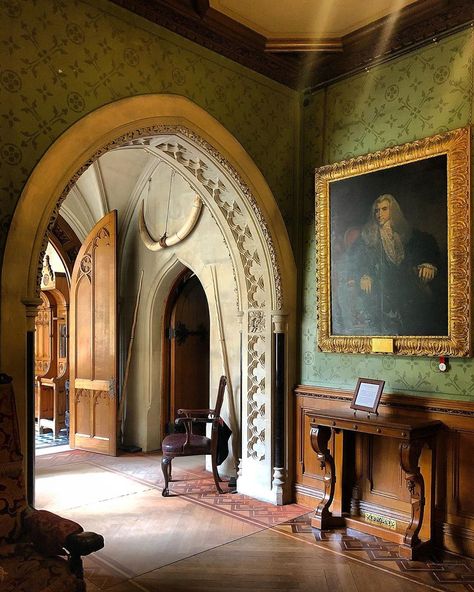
[(279, 419), (31, 306)]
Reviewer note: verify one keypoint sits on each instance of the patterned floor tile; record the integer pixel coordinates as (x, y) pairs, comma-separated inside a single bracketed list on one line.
[(153, 542), (46, 440), (446, 572)]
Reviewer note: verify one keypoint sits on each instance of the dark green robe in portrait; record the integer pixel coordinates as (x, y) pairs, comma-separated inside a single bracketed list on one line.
[(399, 303)]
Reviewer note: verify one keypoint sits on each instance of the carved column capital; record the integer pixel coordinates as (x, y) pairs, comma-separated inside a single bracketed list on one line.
[(240, 320), (31, 306), (279, 322)]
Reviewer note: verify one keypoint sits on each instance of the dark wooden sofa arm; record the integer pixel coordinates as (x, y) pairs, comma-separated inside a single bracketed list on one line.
[(79, 545), (54, 535), (84, 543)]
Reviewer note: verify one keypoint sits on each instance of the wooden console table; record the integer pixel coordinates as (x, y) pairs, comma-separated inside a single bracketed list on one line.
[(414, 434)]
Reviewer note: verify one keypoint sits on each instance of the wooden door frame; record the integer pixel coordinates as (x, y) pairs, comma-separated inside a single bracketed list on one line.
[(171, 299)]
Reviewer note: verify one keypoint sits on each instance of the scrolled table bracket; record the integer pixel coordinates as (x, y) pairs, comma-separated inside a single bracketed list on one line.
[(409, 457), (322, 517)]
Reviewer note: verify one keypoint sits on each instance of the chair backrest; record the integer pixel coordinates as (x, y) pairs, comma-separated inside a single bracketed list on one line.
[(220, 396), (12, 487)]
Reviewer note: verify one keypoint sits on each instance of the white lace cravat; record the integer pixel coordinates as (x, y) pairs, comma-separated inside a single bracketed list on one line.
[(392, 244)]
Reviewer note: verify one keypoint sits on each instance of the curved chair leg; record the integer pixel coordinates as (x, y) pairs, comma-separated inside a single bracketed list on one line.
[(215, 474), (169, 470), (166, 468)]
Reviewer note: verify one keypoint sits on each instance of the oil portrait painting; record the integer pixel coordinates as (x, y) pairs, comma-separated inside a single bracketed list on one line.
[(388, 251), (390, 262)]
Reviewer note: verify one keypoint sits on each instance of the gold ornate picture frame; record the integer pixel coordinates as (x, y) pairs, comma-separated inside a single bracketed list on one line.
[(393, 250)]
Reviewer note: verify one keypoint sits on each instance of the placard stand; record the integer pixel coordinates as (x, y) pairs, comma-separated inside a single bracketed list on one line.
[(367, 395)]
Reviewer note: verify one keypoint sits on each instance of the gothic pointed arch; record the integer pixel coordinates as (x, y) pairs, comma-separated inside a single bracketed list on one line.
[(243, 210)]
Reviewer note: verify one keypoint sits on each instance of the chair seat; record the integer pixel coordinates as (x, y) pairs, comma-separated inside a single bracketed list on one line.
[(174, 444)]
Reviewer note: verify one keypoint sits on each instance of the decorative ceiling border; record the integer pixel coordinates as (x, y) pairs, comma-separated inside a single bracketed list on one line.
[(417, 24)]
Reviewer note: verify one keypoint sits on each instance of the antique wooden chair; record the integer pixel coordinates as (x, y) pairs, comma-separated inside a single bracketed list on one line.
[(190, 444), (39, 551)]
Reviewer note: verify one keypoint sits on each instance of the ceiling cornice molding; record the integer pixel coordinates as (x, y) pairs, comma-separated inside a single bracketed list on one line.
[(299, 44), (417, 24), (216, 32)]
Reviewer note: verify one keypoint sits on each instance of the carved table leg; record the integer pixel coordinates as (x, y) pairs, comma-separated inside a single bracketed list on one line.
[(322, 517), (409, 457)]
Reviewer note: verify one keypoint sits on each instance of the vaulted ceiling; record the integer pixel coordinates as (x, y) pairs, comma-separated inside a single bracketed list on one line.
[(307, 43)]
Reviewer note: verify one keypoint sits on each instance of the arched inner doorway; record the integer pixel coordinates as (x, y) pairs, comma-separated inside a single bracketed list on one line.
[(51, 368), (247, 270), (186, 352)]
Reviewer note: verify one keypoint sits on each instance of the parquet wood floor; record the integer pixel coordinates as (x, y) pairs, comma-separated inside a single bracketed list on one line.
[(198, 541)]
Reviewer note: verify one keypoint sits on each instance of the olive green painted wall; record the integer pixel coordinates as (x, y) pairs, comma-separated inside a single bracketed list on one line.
[(426, 92), (62, 59)]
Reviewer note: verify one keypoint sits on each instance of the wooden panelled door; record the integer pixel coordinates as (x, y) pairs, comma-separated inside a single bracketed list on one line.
[(93, 342), (188, 349)]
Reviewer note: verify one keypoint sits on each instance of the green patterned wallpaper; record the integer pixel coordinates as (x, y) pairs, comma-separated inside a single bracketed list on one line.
[(426, 92), (62, 59)]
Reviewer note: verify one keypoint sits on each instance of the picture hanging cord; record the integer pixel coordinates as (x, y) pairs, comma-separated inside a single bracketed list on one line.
[(168, 207), (165, 234)]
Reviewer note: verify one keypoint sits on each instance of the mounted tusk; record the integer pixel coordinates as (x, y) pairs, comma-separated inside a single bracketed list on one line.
[(188, 225), (145, 235), (174, 239)]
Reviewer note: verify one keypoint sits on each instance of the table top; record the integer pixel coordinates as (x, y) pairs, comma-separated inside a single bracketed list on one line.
[(394, 425)]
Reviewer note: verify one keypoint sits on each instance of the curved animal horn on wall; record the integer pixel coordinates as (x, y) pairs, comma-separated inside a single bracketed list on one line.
[(168, 241)]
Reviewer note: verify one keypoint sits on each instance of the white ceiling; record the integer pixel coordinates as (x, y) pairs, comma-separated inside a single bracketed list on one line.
[(119, 180), (307, 18)]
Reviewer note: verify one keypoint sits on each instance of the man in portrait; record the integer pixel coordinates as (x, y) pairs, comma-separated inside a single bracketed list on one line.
[(390, 272)]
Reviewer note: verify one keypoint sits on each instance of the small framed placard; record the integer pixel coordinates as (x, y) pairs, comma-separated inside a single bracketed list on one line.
[(367, 394)]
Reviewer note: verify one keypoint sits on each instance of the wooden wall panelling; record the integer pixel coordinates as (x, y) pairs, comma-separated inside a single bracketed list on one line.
[(50, 403), (384, 480), (44, 355), (381, 482)]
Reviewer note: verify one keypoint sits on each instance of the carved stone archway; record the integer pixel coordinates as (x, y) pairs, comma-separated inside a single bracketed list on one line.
[(242, 207)]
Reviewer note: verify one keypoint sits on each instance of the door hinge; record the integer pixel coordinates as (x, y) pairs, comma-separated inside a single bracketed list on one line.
[(181, 333)]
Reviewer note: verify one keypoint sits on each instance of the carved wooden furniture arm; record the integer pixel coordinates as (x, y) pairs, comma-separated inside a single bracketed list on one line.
[(49, 532), (81, 544), (53, 535), (191, 419), (195, 411), (188, 425), (319, 438), (84, 543)]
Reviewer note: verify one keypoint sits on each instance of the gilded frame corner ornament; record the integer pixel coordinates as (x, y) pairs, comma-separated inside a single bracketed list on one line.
[(449, 151)]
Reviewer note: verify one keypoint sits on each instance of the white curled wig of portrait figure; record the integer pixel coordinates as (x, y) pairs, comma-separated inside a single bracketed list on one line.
[(371, 230)]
